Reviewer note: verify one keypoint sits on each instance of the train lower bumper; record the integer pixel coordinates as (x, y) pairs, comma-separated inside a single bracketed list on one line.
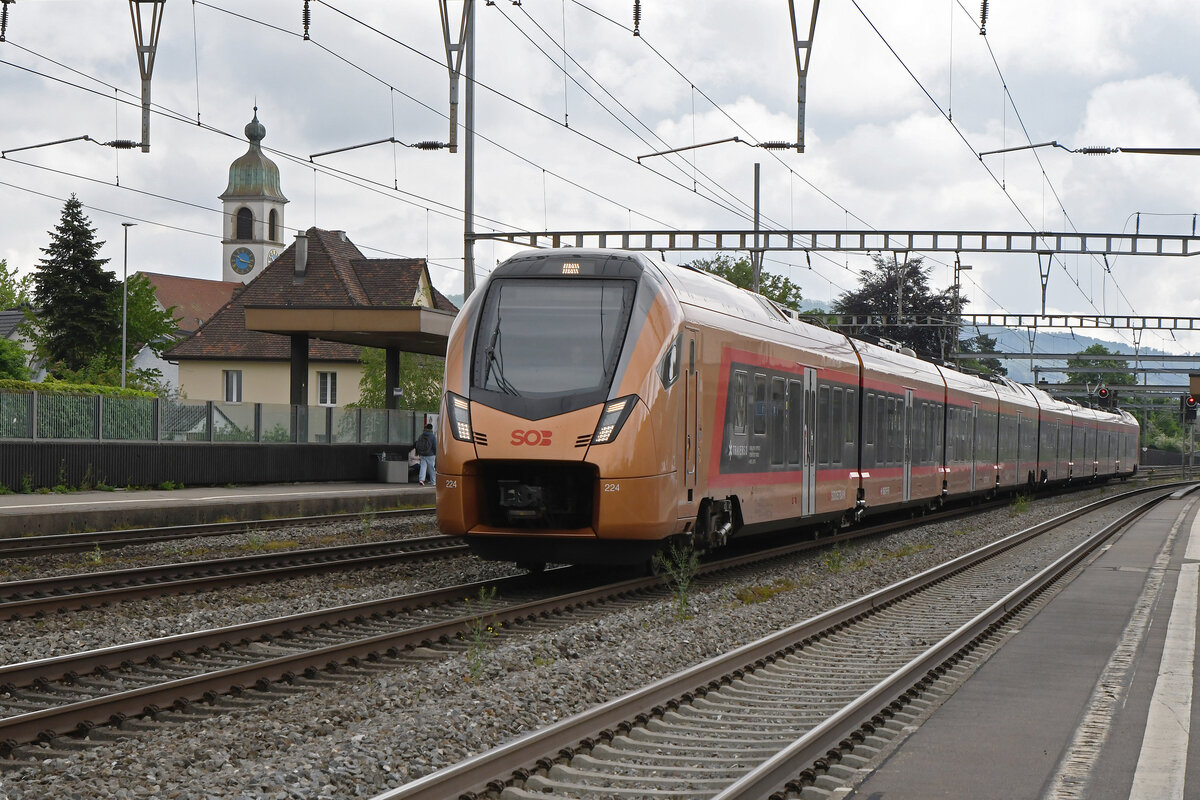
[(546, 500)]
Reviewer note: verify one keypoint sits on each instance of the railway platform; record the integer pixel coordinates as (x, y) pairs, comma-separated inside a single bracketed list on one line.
[(1091, 699), (35, 514)]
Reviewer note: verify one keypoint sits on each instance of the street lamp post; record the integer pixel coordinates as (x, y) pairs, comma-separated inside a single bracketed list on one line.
[(125, 298)]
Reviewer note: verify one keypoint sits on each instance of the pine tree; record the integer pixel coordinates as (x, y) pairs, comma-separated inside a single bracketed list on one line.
[(74, 294)]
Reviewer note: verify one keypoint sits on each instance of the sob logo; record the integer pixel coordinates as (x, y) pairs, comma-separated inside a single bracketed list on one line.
[(533, 438)]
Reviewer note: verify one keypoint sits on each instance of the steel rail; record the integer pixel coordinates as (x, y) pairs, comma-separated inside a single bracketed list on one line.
[(48, 723), (491, 770), (49, 544), (798, 762), (90, 589)]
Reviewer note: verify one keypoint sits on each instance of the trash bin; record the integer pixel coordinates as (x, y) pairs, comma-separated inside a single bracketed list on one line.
[(391, 471)]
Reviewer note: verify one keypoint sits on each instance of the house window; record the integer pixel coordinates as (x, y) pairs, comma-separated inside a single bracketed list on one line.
[(232, 378), (245, 224), (271, 222), (327, 388)]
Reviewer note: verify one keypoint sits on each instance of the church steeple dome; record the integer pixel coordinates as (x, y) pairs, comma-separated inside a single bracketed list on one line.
[(253, 205), (253, 174)]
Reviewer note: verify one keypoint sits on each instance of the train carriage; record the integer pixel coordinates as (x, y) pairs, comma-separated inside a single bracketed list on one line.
[(972, 419), (1016, 456), (1056, 419), (903, 399), (600, 404)]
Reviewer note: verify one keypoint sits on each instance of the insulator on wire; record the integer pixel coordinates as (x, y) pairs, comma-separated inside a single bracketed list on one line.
[(306, 17), (637, 17), (4, 18), (428, 145), (777, 145), (983, 18), (1096, 151), (123, 144)]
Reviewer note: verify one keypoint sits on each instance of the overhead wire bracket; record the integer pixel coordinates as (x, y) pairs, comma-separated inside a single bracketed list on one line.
[(454, 60), (803, 49), (145, 37)]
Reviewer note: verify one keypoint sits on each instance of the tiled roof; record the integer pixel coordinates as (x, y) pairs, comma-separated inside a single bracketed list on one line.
[(195, 299), (9, 320), (337, 275)]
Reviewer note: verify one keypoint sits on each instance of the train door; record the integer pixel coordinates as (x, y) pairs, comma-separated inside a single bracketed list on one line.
[(971, 447), (906, 433), (1017, 472), (691, 405), (808, 467)]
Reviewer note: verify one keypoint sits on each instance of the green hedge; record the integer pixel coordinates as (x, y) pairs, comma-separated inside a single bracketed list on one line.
[(51, 386)]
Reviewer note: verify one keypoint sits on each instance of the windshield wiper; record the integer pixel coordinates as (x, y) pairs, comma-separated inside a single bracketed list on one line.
[(501, 381), (494, 360)]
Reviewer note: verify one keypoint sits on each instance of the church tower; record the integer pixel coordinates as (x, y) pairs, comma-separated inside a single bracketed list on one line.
[(253, 205)]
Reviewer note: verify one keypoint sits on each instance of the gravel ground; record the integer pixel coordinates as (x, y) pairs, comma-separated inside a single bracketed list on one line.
[(250, 542), (59, 634), (359, 736)]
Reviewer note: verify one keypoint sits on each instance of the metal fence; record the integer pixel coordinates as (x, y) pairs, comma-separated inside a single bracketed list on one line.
[(40, 415)]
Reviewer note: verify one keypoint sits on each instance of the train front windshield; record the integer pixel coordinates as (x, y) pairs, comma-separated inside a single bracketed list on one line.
[(552, 339)]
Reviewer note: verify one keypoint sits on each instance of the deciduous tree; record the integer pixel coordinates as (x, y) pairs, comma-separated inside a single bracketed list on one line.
[(420, 380), (900, 293), (14, 291), (741, 273)]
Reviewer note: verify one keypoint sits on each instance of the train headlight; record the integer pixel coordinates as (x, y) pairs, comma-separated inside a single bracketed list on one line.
[(459, 409), (614, 416)]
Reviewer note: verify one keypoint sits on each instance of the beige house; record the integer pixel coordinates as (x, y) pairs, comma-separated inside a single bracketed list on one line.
[(224, 361)]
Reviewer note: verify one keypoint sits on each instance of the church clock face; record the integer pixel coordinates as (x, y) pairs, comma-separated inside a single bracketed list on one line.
[(272, 254), (241, 260)]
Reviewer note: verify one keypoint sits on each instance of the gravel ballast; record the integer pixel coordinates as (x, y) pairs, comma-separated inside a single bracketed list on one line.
[(372, 729)]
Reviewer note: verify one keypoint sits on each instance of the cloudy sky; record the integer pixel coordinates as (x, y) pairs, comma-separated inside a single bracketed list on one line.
[(901, 98)]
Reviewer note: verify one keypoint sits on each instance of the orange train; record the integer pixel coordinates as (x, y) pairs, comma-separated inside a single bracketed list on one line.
[(600, 404)]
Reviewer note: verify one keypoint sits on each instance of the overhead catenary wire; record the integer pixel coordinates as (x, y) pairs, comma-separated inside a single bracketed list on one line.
[(442, 115), (526, 107), (447, 205), (962, 136), (849, 214)]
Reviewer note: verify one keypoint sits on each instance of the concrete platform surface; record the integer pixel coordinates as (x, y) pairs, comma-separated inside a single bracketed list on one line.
[(1091, 699), (33, 514)]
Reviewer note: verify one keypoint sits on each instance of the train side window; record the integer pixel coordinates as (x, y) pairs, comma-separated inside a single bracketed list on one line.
[(668, 370), (895, 415), (823, 425), (740, 400), (778, 419), (883, 428), (868, 416), (835, 425), (760, 404), (851, 417), (921, 436), (795, 404), (881, 439)]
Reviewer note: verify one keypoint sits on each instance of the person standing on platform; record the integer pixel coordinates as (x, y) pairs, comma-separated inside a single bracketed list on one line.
[(426, 447)]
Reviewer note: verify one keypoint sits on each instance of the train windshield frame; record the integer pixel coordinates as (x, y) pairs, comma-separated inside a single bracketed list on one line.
[(549, 345)]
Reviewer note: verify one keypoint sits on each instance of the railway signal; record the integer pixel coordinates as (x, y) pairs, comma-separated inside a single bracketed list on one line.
[(1189, 408)]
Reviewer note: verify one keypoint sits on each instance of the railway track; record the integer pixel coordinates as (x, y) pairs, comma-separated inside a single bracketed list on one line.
[(87, 590), (52, 544), (72, 694), (805, 706)]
